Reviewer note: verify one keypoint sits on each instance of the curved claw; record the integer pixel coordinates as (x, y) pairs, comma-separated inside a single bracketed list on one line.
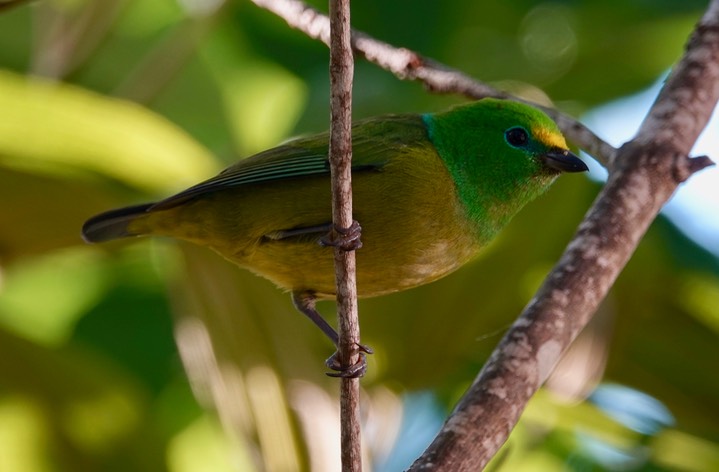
[(347, 239), (364, 348), (355, 371), (352, 372)]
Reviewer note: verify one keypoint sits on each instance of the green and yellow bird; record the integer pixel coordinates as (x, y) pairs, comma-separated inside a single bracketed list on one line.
[(429, 190)]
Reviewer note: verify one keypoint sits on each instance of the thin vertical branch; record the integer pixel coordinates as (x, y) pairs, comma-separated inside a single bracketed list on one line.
[(340, 151)]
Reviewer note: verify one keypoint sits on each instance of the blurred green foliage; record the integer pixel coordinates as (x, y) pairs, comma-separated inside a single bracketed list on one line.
[(107, 103)]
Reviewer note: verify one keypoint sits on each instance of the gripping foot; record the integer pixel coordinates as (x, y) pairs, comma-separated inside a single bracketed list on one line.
[(347, 239), (305, 303), (354, 371)]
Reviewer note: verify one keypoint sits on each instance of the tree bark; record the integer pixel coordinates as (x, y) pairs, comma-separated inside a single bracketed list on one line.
[(340, 151), (644, 175)]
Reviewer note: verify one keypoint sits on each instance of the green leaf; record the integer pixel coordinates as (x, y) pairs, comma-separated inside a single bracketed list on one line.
[(49, 127)]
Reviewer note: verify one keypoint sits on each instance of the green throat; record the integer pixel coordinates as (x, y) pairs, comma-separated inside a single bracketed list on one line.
[(493, 181)]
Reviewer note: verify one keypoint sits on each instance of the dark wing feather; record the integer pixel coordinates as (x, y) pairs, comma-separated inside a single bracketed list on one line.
[(303, 157)]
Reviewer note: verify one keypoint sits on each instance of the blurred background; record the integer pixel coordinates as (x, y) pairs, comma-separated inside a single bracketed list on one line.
[(149, 355)]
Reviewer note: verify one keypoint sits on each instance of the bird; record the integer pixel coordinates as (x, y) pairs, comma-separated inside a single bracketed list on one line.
[(430, 191)]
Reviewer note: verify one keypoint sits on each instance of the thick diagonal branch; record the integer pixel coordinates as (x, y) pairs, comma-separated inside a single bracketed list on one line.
[(647, 171)]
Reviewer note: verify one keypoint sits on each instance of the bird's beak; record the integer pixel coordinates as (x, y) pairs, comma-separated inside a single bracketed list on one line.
[(564, 161)]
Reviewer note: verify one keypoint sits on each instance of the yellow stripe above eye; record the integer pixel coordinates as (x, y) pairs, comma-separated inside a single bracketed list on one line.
[(549, 137)]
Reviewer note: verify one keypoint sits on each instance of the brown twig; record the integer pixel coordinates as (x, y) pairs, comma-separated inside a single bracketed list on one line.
[(437, 77), (341, 75)]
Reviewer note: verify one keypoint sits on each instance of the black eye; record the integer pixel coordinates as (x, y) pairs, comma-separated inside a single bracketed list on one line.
[(517, 137)]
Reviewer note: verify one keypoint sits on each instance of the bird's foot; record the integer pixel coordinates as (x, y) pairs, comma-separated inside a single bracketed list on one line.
[(347, 239), (354, 371)]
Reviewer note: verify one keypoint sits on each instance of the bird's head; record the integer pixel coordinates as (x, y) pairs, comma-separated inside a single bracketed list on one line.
[(501, 154), (501, 142)]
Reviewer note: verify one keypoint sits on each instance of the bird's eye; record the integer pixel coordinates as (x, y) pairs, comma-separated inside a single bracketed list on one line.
[(517, 137)]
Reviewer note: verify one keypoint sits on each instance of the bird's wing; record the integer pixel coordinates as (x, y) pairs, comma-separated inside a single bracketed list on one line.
[(305, 157)]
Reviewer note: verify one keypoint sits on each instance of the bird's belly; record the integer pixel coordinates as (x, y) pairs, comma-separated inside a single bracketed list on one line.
[(381, 268), (392, 272)]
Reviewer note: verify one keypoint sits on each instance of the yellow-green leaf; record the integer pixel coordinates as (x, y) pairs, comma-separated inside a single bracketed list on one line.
[(52, 127)]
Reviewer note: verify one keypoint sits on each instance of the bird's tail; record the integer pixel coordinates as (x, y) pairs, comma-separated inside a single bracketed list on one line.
[(113, 224)]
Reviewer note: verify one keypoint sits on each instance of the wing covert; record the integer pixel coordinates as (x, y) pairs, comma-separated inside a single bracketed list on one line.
[(372, 147)]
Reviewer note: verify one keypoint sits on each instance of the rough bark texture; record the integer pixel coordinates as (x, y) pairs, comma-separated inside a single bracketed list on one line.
[(644, 175), (341, 74)]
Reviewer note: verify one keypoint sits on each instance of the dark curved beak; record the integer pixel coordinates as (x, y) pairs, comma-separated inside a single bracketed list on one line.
[(564, 161)]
